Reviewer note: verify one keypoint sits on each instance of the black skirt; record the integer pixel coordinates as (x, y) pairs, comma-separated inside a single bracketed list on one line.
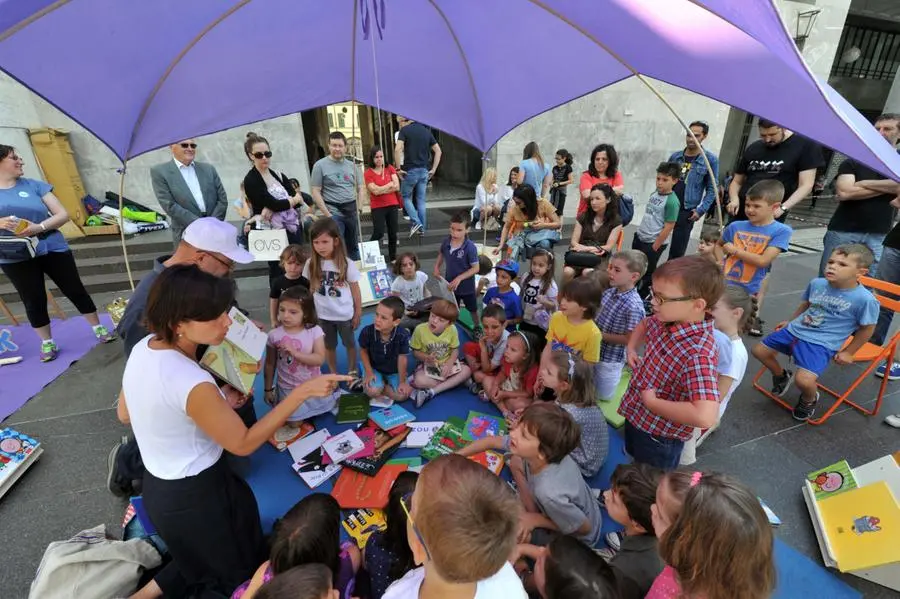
[(210, 523)]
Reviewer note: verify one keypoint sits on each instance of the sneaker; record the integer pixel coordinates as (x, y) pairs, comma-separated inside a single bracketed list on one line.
[(406, 218), (414, 229), (614, 540), (893, 375), (893, 420), (422, 396), (103, 334), (600, 496), (756, 328), (478, 226), (781, 384), (474, 387), (49, 351), (606, 553), (804, 411), (357, 385), (113, 481)]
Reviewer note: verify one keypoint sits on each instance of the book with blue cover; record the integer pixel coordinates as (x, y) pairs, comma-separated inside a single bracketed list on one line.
[(392, 417), (18, 453)]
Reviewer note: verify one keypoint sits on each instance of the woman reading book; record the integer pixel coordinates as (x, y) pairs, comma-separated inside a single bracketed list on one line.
[(207, 515)]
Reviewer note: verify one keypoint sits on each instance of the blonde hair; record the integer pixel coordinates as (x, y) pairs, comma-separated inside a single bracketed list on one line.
[(468, 518), (581, 391), (487, 177), (327, 226)]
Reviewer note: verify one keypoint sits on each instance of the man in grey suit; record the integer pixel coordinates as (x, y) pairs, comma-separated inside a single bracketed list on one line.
[(187, 189)]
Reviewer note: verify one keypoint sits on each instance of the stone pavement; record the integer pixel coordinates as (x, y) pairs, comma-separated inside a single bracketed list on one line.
[(758, 442)]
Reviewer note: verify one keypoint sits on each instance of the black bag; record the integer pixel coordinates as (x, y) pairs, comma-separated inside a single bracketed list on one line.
[(583, 259), (626, 209), (17, 249)]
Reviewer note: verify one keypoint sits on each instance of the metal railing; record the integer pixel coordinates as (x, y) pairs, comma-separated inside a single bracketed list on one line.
[(867, 53)]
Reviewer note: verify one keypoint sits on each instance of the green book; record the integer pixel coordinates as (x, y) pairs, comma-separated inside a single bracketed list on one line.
[(353, 407), (448, 439), (832, 480), (410, 462)]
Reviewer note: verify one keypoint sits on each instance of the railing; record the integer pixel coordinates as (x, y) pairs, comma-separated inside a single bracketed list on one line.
[(867, 53)]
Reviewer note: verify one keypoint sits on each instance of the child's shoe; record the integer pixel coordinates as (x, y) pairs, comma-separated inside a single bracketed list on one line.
[(781, 384), (421, 396), (614, 540), (357, 385), (103, 335), (49, 350), (803, 411), (474, 387)]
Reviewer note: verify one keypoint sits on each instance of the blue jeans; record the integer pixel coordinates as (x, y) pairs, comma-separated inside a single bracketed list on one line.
[(415, 181), (888, 270), (873, 241), (652, 450), (345, 217)]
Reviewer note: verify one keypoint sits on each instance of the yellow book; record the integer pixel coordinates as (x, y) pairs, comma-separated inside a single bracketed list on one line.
[(862, 527)]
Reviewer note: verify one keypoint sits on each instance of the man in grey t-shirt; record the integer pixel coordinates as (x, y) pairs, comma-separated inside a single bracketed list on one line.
[(335, 186)]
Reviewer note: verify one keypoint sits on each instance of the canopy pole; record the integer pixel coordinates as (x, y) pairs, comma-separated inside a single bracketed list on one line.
[(662, 98), (484, 159), (122, 172)]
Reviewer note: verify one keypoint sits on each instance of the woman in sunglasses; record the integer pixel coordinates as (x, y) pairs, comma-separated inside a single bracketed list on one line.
[(272, 197)]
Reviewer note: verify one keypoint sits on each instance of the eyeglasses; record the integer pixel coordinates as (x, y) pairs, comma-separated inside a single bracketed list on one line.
[(187, 145), (406, 504), (661, 299), (229, 264), (261, 155)]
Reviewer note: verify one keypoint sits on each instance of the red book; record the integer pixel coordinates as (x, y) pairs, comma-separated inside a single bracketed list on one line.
[(355, 490)]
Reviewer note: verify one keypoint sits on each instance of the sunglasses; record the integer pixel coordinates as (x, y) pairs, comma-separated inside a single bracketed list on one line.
[(229, 265), (187, 145), (406, 504), (661, 299), (261, 155)]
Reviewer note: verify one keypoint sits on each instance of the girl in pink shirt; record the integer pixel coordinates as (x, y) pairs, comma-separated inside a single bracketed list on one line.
[(714, 538)]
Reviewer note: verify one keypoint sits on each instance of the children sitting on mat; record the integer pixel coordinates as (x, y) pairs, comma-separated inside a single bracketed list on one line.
[(621, 310), (383, 352), (409, 286), (833, 308), (504, 295), (435, 345), (693, 546), (572, 329), (296, 350), (309, 533), (485, 356), (387, 555), (634, 552), (572, 382), (462, 528), (511, 390), (673, 388)]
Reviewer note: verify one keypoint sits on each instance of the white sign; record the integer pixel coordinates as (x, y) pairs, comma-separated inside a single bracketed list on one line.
[(267, 245)]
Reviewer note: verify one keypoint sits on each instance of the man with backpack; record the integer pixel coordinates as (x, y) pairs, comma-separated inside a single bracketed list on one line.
[(696, 188)]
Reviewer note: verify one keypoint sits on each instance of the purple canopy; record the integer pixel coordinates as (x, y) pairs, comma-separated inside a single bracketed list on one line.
[(145, 73)]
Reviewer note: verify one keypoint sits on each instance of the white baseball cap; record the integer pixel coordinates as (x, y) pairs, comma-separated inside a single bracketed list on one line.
[(209, 234)]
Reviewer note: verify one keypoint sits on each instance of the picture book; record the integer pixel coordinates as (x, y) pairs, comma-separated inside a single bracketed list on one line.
[(392, 417), (381, 280), (343, 445), (420, 433), (370, 256), (237, 360), (302, 447), (290, 432), (352, 407), (381, 402), (18, 453), (367, 436), (356, 490), (386, 444), (362, 523), (862, 526), (479, 426), (490, 459), (832, 480), (313, 471), (436, 372), (447, 439)]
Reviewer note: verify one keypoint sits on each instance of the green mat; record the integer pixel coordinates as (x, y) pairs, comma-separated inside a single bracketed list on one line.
[(465, 319), (609, 407)]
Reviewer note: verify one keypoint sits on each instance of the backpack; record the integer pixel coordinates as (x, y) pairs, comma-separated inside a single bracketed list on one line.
[(626, 209)]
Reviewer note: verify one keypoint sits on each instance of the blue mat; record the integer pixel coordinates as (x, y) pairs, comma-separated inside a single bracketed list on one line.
[(277, 488)]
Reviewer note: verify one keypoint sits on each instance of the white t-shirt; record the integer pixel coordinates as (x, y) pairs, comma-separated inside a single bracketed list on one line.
[(411, 292), (502, 585), (732, 363), (529, 299), (156, 384), (333, 300)]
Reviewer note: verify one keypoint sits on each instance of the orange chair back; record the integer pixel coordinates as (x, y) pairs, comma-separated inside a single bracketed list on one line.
[(876, 285)]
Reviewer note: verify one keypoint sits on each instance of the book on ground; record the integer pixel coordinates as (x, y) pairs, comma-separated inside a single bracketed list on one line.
[(392, 417), (343, 445), (362, 523), (313, 471), (356, 490), (385, 445), (410, 463), (290, 432), (447, 439), (480, 425), (237, 359), (831, 480), (490, 459), (300, 448), (420, 433), (774, 520), (367, 436), (437, 373), (353, 407), (18, 453)]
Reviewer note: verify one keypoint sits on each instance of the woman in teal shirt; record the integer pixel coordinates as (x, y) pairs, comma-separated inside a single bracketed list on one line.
[(29, 200)]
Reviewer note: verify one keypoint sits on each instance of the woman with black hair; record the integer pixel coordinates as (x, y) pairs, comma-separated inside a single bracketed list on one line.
[(531, 222), (595, 236), (603, 168), (383, 186)]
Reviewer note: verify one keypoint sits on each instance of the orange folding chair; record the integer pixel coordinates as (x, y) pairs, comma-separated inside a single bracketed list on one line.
[(621, 239), (870, 353)]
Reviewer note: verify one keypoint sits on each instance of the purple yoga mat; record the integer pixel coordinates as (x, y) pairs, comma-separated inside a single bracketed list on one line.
[(20, 382)]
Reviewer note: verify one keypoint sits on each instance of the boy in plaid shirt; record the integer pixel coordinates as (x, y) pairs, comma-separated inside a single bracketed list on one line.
[(674, 386)]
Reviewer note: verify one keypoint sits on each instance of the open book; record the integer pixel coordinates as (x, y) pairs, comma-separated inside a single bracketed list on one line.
[(435, 371), (237, 359)]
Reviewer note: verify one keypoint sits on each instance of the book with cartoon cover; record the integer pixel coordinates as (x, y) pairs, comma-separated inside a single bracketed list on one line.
[(18, 453), (362, 523), (479, 425), (447, 439), (831, 480), (237, 359), (290, 432), (490, 459), (387, 442), (392, 417)]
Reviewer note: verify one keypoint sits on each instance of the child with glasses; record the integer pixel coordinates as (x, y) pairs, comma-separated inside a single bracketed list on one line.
[(462, 530), (673, 388)]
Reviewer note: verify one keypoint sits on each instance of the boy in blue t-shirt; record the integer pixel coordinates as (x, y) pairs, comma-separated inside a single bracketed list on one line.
[(750, 246), (384, 352), (460, 256), (833, 308), (504, 295)]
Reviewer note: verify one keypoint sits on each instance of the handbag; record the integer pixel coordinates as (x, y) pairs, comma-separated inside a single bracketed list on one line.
[(17, 249), (583, 259)]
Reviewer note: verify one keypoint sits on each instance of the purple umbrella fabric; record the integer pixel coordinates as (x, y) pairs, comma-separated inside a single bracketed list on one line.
[(140, 75)]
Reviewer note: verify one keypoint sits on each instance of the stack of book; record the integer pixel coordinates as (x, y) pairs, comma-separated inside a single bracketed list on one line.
[(18, 453)]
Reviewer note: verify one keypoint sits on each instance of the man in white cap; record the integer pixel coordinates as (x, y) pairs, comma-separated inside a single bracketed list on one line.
[(212, 245)]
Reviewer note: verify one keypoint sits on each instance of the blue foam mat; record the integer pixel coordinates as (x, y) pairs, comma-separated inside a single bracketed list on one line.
[(278, 488)]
